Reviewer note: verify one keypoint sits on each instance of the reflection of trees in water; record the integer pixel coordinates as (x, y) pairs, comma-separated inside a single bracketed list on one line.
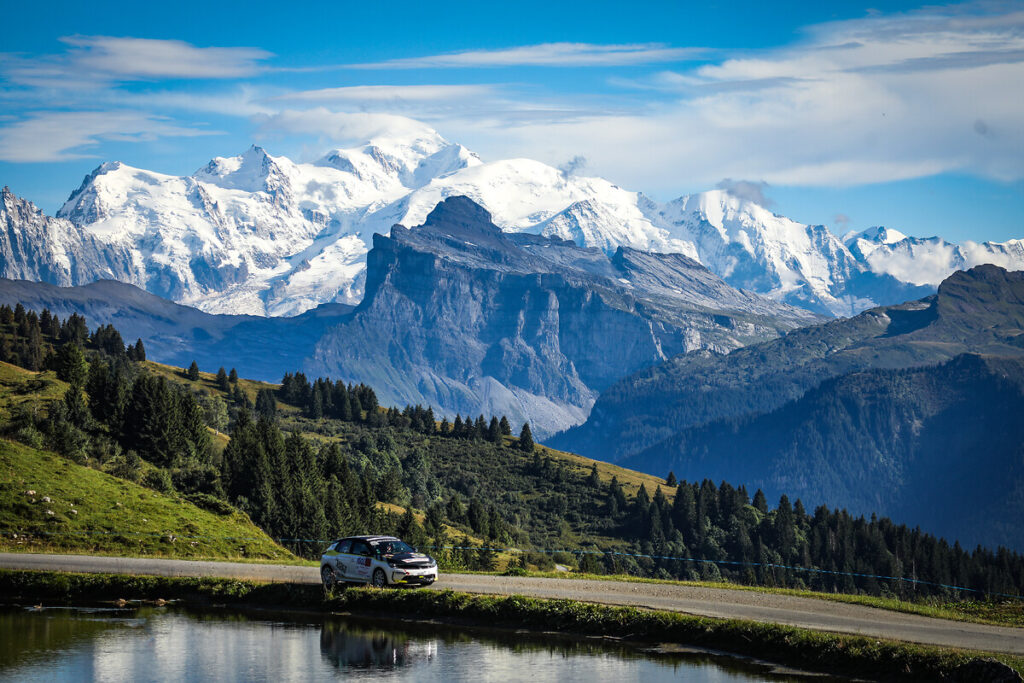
[(347, 647), (27, 634)]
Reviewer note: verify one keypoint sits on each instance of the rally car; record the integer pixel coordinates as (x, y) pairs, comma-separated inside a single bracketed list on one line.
[(377, 560)]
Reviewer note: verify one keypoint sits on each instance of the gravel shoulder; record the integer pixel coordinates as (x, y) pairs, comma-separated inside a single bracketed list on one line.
[(821, 615)]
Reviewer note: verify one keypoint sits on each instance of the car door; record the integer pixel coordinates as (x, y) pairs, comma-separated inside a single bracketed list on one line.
[(342, 560), (360, 561)]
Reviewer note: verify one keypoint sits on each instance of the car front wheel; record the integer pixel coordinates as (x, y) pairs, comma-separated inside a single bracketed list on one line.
[(327, 577), (379, 579)]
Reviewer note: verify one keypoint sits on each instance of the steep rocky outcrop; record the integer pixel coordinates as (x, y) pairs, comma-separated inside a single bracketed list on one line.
[(462, 316), (35, 246)]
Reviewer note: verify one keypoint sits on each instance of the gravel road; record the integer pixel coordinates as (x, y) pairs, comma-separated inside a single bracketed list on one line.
[(821, 615)]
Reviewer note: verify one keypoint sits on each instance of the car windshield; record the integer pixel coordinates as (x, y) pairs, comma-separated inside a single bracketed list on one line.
[(393, 547)]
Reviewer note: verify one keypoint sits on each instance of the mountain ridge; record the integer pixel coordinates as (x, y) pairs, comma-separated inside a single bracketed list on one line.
[(264, 235), (973, 311), (459, 314)]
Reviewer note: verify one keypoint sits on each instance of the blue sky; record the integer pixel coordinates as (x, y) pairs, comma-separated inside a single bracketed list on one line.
[(851, 114)]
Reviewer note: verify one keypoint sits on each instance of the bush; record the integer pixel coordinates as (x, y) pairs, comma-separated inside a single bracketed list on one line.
[(158, 480)]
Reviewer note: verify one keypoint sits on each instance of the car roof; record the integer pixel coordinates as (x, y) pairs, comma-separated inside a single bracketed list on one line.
[(369, 539)]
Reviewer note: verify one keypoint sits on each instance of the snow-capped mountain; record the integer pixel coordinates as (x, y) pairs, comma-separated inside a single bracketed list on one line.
[(255, 233), (928, 261), (263, 235)]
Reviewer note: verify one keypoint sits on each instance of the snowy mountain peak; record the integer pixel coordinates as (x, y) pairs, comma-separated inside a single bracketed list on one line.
[(251, 171), (878, 235)]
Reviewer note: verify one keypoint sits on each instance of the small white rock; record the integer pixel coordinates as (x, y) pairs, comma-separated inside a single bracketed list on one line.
[(50, 512), (46, 499)]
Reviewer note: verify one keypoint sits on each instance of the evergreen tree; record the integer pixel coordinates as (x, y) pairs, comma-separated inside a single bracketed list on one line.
[(233, 376), (671, 479), (506, 428), (266, 404), (222, 380), (494, 431), (71, 365), (193, 372), (526, 439)]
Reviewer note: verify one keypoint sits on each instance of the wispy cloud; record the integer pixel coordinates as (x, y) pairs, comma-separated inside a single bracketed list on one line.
[(93, 61), (379, 94), (63, 136), (333, 127), (547, 54)]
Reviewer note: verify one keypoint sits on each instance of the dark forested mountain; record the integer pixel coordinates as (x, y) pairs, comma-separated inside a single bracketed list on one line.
[(462, 316), (178, 334), (975, 311), (938, 446)]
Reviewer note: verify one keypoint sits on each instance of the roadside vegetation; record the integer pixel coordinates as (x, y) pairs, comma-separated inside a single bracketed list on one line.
[(311, 460), (809, 650)]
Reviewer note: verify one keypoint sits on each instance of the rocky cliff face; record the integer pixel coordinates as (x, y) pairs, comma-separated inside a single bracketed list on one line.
[(35, 246), (462, 316)]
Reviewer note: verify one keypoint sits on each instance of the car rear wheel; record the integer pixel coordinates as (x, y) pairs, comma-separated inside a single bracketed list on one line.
[(379, 579), (327, 577)]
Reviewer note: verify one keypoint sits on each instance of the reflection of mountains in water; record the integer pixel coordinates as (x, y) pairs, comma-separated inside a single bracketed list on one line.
[(352, 648)]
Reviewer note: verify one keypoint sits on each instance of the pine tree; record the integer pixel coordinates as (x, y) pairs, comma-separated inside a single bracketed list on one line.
[(526, 439), (193, 372), (71, 365), (233, 376), (760, 501), (494, 431), (671, 479), (506, 428), (266, 404), (222, 380)]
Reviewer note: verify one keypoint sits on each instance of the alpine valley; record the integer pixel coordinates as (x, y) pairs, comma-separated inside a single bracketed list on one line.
[(706, 335)]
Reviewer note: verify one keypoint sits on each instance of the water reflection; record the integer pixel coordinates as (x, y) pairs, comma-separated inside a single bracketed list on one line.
[(158, 644), (346, 647)]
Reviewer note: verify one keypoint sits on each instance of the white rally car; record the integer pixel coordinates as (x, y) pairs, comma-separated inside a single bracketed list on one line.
[(377, 560)]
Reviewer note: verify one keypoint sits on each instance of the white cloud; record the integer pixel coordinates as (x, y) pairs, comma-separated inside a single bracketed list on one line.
[(378, 94), (94, 61), (866, 101), (333, 127), (61, 136), (547, 54)]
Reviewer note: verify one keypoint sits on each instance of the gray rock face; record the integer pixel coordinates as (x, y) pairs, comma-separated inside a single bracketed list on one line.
[(34, 246), (462, 316)]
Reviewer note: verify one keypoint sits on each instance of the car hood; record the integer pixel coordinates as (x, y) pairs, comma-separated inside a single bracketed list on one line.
[(408, 557)]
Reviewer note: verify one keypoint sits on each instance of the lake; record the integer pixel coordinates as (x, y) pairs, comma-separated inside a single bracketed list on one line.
[(160, 644)]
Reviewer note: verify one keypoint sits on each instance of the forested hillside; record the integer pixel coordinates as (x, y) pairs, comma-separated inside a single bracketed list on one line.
[(939, 446), (977, 311), (316, 459)]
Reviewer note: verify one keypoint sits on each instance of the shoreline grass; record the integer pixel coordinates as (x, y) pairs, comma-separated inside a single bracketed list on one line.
[(790, 646)]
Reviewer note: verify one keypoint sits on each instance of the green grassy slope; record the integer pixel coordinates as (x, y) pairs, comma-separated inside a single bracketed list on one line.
[(107, 515)]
